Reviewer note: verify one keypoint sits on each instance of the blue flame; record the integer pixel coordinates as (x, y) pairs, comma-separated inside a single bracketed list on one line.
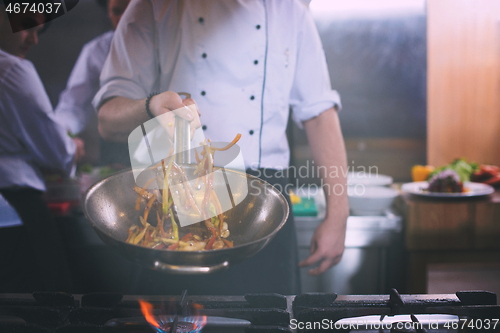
[(198, 322)]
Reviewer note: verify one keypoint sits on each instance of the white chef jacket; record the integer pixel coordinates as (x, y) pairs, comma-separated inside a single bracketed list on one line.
[(30, 137), (75, 108), (244, 62)]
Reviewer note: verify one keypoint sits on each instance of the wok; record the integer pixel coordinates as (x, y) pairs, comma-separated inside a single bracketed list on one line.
[(109, 206)]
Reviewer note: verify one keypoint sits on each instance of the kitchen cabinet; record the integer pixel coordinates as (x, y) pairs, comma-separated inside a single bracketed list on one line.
[(450, 231)]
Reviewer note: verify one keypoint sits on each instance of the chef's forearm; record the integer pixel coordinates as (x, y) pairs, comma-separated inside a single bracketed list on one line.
[(328, 150), (119, 116)]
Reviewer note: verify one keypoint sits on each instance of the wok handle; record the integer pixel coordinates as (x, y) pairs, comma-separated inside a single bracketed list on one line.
[(190, 270)]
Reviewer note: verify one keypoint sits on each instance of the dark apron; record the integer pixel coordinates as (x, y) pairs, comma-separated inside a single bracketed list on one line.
[(273, 270), (32, 257), (113, 153)]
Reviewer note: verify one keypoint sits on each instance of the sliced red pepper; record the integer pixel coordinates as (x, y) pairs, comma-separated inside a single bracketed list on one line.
[(236, 139), (138, 203), (212, 240), (130, 233), (148, 207), (173, 246), (147, 238), (159, 247), (187, 237)]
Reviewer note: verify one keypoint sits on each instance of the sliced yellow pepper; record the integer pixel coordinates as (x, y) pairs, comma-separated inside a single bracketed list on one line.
[(140, 236), (165, 186), (175, 228)]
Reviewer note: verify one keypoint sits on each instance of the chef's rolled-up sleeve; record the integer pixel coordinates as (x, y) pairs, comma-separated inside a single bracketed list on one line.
[(131, 67), (311, 92)]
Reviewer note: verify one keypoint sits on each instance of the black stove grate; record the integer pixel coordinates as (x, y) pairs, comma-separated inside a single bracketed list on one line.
[(61, 313), (112, 312), (470, 304)]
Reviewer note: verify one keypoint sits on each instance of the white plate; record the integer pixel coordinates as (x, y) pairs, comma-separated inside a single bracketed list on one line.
[(474, 190), (368, 179)]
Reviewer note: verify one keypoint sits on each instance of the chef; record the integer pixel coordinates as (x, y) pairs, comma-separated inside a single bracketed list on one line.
[(30, 140), (75, 110), (245, 63)]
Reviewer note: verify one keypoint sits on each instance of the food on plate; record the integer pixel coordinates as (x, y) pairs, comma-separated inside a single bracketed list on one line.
[(487, 174), (161, 231), (421, 173), (446, 181), (463, 168)]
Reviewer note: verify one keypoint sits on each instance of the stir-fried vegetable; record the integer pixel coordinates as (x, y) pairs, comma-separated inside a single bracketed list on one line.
[(212, 232)]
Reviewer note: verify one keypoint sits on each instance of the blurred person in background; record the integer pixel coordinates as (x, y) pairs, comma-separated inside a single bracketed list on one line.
[(32, 257), (75, 109)]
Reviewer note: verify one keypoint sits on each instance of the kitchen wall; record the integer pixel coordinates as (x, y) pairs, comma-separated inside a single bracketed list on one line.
[(376, 54), (464, 80), (60, 45), (464, 121)]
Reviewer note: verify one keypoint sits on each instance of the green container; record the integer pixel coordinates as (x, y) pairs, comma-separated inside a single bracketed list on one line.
[(306, 207)]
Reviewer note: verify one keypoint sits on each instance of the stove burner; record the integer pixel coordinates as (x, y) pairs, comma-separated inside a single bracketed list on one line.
[(256, 313), (413, 326), (171, 324), (182, 327), (404, 327), (174, 323)]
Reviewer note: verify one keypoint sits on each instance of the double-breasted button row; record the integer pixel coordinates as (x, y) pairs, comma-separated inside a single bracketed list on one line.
[(204, 127), (201, 20), (203, 93)]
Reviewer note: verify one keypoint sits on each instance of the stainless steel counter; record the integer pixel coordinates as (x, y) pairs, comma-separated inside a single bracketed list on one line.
[(372, 260)]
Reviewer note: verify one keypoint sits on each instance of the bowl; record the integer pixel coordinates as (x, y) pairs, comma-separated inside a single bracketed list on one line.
[(368, 179), (370, 200)]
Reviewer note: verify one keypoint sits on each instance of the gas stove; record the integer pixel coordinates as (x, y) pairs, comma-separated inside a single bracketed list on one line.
[(468, 311)]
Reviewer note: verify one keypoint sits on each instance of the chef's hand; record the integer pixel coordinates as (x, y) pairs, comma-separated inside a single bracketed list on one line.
[(161, 105), (327, 246), (80, 149)]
